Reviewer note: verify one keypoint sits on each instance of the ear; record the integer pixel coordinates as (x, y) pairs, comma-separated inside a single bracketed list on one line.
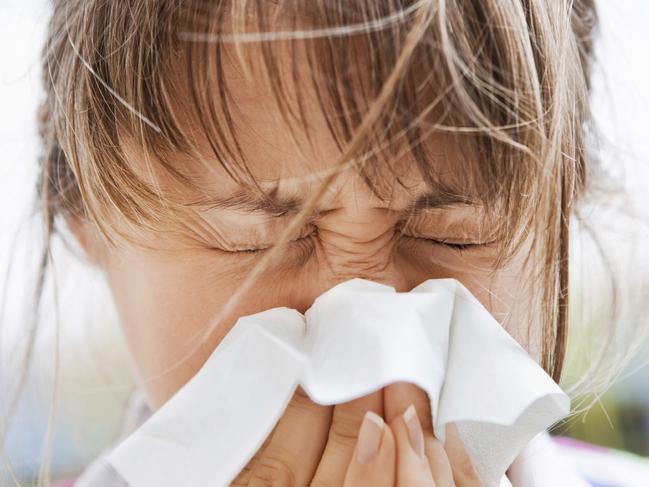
[(88, 237)]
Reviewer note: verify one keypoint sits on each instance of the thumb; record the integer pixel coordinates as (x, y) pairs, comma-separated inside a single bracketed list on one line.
[(373, 461)]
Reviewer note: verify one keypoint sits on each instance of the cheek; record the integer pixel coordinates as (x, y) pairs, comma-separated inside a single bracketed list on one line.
[(165, 306), (510, 299), (510, 294)]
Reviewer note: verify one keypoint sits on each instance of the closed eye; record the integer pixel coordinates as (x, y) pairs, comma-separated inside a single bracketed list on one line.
[(459, 246), (260, 249)]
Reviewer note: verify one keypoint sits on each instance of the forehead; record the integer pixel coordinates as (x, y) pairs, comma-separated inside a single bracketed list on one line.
[(282, 130)]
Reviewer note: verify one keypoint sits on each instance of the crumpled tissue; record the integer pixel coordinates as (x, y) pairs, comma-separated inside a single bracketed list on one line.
[(357, 337)]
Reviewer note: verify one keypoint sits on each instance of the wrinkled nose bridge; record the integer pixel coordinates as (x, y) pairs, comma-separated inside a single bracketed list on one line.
[(359, 244), (358, 232)]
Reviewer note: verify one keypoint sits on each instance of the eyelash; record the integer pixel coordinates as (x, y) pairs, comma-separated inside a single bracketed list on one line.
[(456, 246), (292, 242)]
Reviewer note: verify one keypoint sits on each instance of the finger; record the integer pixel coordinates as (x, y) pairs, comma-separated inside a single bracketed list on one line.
[(463, 471), (439, 462), (292, 453), (397, 398), (343, 434), (244, 476), (413, 469), (373, 460)]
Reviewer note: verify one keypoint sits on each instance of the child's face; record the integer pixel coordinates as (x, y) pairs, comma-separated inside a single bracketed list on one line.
[(168, 296)]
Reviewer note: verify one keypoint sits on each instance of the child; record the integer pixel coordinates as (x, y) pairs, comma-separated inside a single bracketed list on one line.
[(215, 159)]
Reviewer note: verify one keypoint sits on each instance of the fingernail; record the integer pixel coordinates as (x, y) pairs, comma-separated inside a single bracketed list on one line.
[(369, 437), (414, 430)]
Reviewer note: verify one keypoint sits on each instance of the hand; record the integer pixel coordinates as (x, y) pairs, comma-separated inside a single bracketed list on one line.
[(404, 452), (318, 445)]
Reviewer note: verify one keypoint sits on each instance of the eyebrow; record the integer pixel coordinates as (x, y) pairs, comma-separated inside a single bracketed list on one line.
[(275, 205), (248, 201), (439, 199)]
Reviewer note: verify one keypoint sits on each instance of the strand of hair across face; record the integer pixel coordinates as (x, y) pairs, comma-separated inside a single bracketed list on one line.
[(340, 31)]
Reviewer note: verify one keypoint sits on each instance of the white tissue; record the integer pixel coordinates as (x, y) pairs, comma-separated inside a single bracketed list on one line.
[(357, 337)]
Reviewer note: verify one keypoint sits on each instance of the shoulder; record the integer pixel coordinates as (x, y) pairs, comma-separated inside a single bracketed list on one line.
[(99, 473), (604, 467)]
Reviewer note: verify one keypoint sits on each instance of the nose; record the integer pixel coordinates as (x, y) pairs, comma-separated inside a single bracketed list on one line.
[(357, 242)]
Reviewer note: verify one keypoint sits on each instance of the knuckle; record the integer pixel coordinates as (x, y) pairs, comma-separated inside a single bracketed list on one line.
[(344, 430), (301, 401), (244, 476), (325, 481), (272, 471)]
